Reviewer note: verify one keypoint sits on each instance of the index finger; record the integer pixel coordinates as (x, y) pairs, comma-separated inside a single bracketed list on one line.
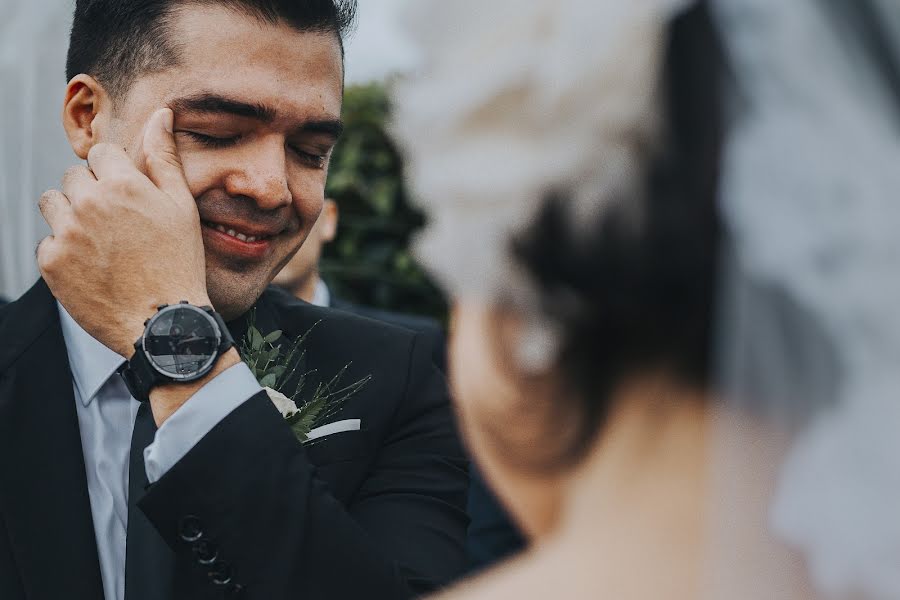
[(106, 160)]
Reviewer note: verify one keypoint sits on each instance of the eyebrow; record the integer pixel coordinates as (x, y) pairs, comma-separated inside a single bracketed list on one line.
[(215, 103)]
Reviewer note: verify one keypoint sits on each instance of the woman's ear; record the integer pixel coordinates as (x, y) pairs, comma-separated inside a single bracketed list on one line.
[(85, 110)]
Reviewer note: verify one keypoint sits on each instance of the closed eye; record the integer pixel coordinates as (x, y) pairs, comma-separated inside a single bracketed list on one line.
[(316, 161), (211, 141), (311, 159)]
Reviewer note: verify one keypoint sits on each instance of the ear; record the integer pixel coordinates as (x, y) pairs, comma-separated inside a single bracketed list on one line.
[(328, 221), (86, 108)]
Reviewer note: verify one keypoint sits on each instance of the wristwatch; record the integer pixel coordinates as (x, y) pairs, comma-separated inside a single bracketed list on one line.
[(181, 343)]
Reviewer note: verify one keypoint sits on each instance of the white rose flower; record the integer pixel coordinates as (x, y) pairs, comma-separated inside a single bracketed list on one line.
[(285, 405)]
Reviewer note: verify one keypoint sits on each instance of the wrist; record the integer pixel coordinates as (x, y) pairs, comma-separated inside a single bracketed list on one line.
[(166, 399)]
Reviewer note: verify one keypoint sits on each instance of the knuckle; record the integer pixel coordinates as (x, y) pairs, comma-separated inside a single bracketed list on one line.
[(95, 152), (65, 234), (72, 172), (45, 255), (86, 204), (100, 149), (119, 184)]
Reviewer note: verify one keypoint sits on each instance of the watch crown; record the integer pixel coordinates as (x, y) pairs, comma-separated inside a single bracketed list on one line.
[(184, 302), (162, 306), (146, 322)]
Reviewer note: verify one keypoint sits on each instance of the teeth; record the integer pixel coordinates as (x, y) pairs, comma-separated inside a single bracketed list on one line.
[(231, 232)]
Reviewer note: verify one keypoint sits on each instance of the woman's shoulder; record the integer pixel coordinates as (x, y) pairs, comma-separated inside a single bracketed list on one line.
[(528, 576)]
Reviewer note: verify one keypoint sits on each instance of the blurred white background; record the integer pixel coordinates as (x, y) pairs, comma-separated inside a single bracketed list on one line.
[(33, 149)]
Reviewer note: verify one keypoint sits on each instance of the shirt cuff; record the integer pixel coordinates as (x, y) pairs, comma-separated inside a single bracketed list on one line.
[(197, 417)]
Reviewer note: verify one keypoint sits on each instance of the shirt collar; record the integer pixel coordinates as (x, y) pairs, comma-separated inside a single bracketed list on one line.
[(322, 295), (92, 363)]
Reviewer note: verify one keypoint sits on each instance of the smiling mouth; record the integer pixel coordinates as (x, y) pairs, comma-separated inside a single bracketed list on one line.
[(238, 235)]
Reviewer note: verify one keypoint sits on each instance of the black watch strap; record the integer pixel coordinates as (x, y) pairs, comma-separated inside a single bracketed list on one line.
[(141, 377)]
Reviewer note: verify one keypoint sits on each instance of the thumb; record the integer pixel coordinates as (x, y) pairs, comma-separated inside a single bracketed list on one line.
[(162, 164)]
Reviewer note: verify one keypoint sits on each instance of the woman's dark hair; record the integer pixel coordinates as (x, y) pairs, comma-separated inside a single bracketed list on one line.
[(645, 293)]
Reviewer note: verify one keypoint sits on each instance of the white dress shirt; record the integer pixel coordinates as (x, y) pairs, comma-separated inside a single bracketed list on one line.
[(322, 295), (106, 415)]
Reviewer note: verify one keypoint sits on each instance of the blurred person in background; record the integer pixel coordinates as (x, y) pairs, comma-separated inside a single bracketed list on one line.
[(668, 229), (301, 278)]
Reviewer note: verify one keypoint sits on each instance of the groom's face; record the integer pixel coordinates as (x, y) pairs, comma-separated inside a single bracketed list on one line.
[(257, 109)]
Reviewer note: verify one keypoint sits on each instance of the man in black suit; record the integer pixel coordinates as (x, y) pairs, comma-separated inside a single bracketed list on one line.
[(301, 278), (211, 495)]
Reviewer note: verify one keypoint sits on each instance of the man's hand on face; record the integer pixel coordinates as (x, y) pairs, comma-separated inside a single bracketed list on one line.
[(125, 239)]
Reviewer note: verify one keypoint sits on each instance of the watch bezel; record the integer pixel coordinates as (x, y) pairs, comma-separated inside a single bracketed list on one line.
[(207, 366)]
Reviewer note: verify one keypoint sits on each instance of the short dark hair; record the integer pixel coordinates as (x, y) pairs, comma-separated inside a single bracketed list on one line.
[(116, 41)]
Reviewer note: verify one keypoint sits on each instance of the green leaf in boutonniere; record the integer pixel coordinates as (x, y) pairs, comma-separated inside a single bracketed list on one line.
[(274, 366)]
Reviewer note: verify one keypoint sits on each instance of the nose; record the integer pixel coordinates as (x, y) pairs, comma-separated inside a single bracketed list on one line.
[(261, 175)]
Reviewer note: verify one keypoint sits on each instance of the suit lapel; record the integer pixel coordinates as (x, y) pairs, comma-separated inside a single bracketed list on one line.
[(44, 495)]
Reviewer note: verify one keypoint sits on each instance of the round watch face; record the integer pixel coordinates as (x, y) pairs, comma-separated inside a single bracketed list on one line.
[(182, 342)]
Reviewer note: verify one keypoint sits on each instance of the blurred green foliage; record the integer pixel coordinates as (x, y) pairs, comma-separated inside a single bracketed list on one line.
[(369, 262)]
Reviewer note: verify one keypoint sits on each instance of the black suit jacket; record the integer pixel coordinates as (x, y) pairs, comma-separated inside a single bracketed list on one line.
[(430, 329), (492, 535), (376, 513)]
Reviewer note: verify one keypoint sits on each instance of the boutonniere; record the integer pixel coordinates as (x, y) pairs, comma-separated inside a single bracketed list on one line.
[(274, 362)]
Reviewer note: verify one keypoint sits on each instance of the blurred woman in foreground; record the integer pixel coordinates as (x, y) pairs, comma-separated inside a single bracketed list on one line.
[(657, 218)]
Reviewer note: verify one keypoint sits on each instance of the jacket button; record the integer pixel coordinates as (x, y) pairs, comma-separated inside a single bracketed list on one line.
[(205, 552), (220, 573), (190, 529)]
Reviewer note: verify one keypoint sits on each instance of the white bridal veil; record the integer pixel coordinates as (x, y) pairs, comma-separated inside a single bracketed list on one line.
[(806, 494), (811, 324)]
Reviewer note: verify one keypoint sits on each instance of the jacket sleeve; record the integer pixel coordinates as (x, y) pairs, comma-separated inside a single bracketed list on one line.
[(245, 500)]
